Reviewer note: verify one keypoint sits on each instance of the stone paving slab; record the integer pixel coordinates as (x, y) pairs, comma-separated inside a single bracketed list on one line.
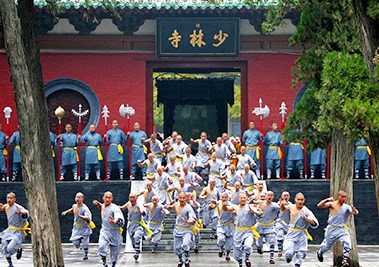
[(73, 258)]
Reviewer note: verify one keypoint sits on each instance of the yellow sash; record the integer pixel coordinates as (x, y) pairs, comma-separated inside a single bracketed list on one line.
[(17, 147), (23, 229), (144, 226), (302, 229), (205, 153), (220, 158), (284, 220), (156, 154), (345, 226), (297, 143), (199, 224), (5, 152), (279, 150), (175, 177), (193, 228), (150, 175), (99, 156), (248, 188), (91, 224), (179, 159), (367, 147), (253, 228), (266, 224), (52, 151), (76, 151), (215, 174), (144, 149), (157, 223), (119, 147), (258, 150), (226, 223)]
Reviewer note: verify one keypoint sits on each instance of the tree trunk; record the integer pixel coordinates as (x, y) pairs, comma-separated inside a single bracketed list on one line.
[(37, 164), (341, 178), (368, 32), (374, 140)]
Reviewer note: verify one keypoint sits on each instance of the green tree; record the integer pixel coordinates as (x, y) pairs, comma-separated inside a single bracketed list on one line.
[(329, 109)]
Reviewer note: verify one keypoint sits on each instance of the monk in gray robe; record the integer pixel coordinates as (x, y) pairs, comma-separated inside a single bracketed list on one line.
[(136, 223), (82, 228), (243, 239), (185, 231), (157, 214), (282, 224), (266, 224), (301, 219), (210, 215), (337, 228), (111, 229), (14, 235)]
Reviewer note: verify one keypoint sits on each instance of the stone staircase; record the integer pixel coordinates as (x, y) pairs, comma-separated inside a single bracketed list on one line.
[(167, 241)]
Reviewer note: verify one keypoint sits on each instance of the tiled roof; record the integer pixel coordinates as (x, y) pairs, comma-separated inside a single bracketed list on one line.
[(162, 4)]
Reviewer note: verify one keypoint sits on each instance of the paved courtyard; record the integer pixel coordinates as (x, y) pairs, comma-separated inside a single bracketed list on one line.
[(73, 258)]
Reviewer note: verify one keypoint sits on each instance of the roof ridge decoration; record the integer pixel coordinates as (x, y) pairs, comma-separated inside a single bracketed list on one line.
[(161, 4)]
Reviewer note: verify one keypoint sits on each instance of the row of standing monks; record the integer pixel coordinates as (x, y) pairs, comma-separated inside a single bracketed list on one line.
[(226, 150)]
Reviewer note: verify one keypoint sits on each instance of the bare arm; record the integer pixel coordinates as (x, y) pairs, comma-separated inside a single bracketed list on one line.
[(124, 206), (2, 206), (254, 210), (326, 203), (98, 204), (227, 208), (312, 222), (354, 210), (67, 211), (203, 194)]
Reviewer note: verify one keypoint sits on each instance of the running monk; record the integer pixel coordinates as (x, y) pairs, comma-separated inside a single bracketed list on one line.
[(14, 235), (111, 229), (93, 153), (203, 154), (156, 147), (185, 231), (116, 140), (162, 180), (157, 214), (210, 215), (245, 230), (82, 228), (70, 155), (282, 224), (337, 229), (136, 226), (148, 193), (216, 167), (296, 240), (266, 224), (152, 165), (225, 227)]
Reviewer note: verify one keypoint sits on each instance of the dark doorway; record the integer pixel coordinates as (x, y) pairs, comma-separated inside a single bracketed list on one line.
[(195, 105)]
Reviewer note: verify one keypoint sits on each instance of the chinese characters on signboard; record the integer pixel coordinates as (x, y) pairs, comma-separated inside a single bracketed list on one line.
[(197, 37)]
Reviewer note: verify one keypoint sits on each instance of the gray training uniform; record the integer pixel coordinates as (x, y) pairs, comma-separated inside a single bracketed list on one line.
[(296, 240), (135, 229), (210, 214), (162, 187), (110, 234), (266, 227), (11, 239), (81, 230), (225, 230), (243, 239), (184, 237), (337, 230), (156, 223)]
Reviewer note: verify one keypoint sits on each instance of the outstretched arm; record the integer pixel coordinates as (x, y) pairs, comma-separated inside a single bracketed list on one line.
[(326, 203), (67, 211), (98, 204), (354, 210)]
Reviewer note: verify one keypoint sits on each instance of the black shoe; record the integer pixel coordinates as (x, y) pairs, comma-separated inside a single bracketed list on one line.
[(248, 263), (136, 256), (196, 250), (220, 254), (227, 258), (272, 262), (19, 253), (259, 250), (288, 260), (114, 264), (319, 257)]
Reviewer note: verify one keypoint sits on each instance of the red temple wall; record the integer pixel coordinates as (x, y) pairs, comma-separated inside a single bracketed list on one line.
[(120, 78)]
